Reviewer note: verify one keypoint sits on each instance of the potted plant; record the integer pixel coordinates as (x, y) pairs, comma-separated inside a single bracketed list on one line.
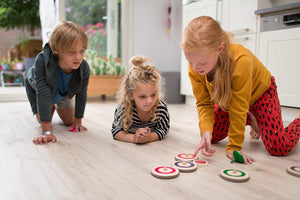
[(10, 79), (105, 74), (17, 64)]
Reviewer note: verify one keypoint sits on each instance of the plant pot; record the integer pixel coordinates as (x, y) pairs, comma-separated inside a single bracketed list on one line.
[(5, 66), (11, 80), (19, 66), (103, 85)]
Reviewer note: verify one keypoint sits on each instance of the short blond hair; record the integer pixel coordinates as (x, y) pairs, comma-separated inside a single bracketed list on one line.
[(65, 34)]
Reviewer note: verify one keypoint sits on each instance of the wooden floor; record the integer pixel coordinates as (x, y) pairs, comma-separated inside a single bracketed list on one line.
[(92, 165)]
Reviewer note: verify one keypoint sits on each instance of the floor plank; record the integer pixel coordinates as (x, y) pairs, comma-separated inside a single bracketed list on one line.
[(92, 165)]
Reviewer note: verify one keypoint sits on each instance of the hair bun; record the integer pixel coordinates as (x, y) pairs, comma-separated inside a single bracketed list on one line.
[(139, 61)]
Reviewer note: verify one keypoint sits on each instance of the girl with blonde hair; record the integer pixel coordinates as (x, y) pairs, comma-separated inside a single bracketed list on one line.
[(233, 89), (141, 116)]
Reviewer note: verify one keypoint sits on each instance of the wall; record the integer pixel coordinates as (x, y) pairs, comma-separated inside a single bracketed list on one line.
[(150, 36), (144, 32), (12, 37)]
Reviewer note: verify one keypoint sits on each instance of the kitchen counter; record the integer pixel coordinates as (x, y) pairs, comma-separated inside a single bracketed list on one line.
[(278, 9)]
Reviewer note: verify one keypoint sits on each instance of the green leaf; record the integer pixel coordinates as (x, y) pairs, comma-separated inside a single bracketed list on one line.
[(19, 14)]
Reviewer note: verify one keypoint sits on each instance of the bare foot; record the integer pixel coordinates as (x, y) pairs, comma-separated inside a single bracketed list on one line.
[(254, 133)]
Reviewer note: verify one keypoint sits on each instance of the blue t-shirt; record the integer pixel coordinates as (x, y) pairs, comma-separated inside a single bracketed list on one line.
[(63, 81)]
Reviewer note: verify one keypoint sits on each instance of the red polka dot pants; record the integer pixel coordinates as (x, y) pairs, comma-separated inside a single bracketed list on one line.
[(278, 140)]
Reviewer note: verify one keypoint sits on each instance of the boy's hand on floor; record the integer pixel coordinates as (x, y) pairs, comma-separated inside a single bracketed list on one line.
[(44, 139)]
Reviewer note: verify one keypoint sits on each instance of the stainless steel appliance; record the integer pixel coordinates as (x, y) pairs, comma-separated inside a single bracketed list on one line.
[(280, 20)]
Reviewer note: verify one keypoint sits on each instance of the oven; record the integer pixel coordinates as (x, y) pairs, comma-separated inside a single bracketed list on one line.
[(279, 50)]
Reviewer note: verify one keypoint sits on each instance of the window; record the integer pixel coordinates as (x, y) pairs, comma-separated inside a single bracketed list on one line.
[(101, 21)]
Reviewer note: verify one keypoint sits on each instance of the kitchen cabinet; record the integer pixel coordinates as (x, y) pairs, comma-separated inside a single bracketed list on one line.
[(191, 11), (238, 17), (279, 52), (247, 40)]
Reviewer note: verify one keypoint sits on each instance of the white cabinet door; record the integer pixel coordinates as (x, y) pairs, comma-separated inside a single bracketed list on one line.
[(238, 16), (248, 41), (191, 11), (279, 52)]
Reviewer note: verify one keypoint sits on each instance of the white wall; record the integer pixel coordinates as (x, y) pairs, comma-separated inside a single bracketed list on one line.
[(150, 36)]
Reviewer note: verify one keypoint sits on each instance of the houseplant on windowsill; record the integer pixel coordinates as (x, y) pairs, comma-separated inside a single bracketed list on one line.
[(105, 74)]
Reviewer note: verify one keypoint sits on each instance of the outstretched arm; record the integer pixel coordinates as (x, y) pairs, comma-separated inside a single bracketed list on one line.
[(205, 145)]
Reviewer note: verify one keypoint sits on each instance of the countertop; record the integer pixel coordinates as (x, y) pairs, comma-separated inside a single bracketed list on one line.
[(278, 8)]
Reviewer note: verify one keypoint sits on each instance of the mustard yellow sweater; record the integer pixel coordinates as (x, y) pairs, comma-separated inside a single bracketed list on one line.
[(250, 79)]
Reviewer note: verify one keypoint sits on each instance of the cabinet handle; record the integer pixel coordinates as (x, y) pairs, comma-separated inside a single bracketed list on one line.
[(241, 31), (244, 39)]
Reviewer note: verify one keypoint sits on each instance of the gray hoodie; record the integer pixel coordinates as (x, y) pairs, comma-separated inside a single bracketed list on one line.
[(41, 83)]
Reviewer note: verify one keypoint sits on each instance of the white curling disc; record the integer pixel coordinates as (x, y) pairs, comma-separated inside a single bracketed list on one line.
[(185, 166), (165, 172), (186, 157), (201, 163), (235, 175), (293, 170)]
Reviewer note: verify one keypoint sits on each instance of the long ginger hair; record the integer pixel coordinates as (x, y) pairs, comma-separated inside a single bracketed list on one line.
[(205, 32), (142, 71)]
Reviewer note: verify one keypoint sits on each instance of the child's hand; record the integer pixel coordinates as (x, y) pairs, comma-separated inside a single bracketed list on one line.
[(205, 145), (44, 139), (142, 135), (77, 127), (247, 159)]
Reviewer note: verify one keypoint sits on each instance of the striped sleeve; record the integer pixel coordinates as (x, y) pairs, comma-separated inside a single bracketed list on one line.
[(118, 121), (163, 123)]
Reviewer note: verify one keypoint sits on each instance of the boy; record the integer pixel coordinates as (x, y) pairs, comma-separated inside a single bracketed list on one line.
[(59, 73)]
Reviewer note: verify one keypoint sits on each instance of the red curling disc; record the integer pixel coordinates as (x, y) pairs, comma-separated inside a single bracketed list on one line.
[(165, 172), (201, 163), (185, 157)]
